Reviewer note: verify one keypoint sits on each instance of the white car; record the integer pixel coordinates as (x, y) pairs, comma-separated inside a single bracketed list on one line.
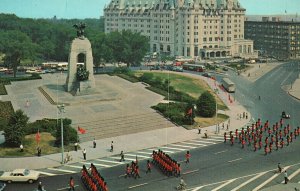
[(19, 175), (2, 69), (35, 71)]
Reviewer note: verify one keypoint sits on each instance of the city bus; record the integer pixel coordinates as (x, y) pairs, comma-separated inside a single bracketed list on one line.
[(193, 67), (228, 85)]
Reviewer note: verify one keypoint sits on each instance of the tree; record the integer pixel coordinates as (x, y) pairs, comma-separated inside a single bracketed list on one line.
[(206, 105), (189, 114), (16, 45), (70, 134), (14, 132)]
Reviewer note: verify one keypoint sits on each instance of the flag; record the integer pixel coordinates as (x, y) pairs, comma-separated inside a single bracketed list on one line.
[(81, 130), (38, 136), (190, 111)]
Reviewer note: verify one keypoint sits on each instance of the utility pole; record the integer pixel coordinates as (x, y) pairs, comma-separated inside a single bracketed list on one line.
[(61, 109)]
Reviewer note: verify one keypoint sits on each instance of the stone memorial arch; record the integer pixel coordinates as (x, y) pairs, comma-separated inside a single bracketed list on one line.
[(81, 51)]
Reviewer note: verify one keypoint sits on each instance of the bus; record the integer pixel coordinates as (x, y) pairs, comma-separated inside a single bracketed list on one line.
[(193, 67), (228, 85)]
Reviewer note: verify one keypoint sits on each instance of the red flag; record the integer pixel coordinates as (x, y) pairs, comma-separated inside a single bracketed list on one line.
[(38, 136), (190, 111), (81, 130)]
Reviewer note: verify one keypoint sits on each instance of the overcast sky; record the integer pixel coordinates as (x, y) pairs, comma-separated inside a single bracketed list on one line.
[(94, 8)]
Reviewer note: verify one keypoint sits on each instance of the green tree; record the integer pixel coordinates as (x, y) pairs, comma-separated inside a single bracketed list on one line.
[(70, 134), (189, 114), (14, 132), (206, 105), (16, 45)]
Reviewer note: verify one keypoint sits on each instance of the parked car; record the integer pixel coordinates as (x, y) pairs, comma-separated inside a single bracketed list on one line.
[(208, 75), (35, 71), (9, 71), (177, 69), (49, 70), (3, 69), (285, 115), (19, 175)]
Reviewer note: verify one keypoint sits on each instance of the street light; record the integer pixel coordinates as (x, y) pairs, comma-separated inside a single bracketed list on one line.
[(61, 109)]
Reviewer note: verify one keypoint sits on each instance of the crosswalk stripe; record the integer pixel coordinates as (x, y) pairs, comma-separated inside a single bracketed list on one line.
[(200, 141), (148, 153), (72, 166), (214, 140), (46, 173), (174, 148), (126, 158), (61, 170), (293, 175), (109, 161), (248, 181), (198, 144), (166, 151), (97, 164), (269, 180), (198, 188), (184, 146), (223, 185), (141, 156), (216, 137)]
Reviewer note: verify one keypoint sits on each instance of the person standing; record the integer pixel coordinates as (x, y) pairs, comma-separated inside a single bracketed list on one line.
[(279, 168), (40, 187), (39, 151), (286, 179), (84, 154), (199, 130), (148, 166), (72, 184), (75, 146), (187, 157), (21, 148), (94, 143), (112, 146), (122, 156)]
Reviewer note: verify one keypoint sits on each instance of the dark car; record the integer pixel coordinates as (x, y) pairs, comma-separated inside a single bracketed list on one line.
[(225, 69), (285, 115), (208, 75)]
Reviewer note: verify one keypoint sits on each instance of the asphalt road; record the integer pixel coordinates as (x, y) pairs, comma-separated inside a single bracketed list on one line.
[(214, 166)]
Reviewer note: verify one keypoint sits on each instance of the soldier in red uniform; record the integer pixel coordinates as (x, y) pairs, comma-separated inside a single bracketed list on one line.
[(187, 157)]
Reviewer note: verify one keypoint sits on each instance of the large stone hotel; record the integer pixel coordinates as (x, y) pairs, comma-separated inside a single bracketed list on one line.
[(192, 28)]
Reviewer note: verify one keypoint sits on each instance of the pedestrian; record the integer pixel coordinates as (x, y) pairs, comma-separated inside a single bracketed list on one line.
[(76, 146), (40, 187), (27, 103), (39, 151), (225, 137), (266, 149), (286, 179), (84, 154), (279, 168), (148, 166), (231, 140), (199, 130), (72, 184), (112, 146), (243, 143), (122, 156), (128, 171), (137, 172), (223, 126), (227, 126), (246, 115), (94, 143), (21, 148), (187, 157)]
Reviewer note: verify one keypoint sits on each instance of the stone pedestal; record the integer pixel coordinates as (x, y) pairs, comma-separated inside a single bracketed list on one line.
[(78, 46)]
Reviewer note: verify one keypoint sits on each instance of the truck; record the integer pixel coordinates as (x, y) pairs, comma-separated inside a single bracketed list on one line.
[(228, 85)]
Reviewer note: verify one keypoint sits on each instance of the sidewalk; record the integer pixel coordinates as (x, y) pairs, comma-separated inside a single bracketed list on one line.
[(294, 91), (131, 142), (281, 187)]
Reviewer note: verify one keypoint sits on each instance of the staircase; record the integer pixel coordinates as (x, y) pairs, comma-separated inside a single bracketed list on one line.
[(127, 124)]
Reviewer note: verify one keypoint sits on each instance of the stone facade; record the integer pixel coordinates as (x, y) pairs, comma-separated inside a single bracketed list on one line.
[(192, 28), (80, 46)]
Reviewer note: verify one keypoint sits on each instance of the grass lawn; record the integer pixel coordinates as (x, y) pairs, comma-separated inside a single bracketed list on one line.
[(30, 146), (204, 122), (192, 86)]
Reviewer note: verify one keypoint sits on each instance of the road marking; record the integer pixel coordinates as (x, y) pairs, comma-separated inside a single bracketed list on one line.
[(116, 162), (61, 170), (223, 185), (66, 188), (97, 164), (73, 166), (216, 137), (286, 78), (141, 156), (137, 185), (166, 151), (174, 148), (193, 144), (269, 180), (189, 172), (248, 181), (126, 158), (293, 175), (213, 139), (184, 146), (235, 160), (148, 153), (200, 141), (198, 188), (221, 152), (46, 173)]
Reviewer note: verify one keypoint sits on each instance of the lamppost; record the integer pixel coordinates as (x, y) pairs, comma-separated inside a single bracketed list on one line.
[(217, 125), (61, 109)]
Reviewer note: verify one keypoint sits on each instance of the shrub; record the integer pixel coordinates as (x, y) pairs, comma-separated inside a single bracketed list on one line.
[(206, 105), (44, 125), (70, 134)]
